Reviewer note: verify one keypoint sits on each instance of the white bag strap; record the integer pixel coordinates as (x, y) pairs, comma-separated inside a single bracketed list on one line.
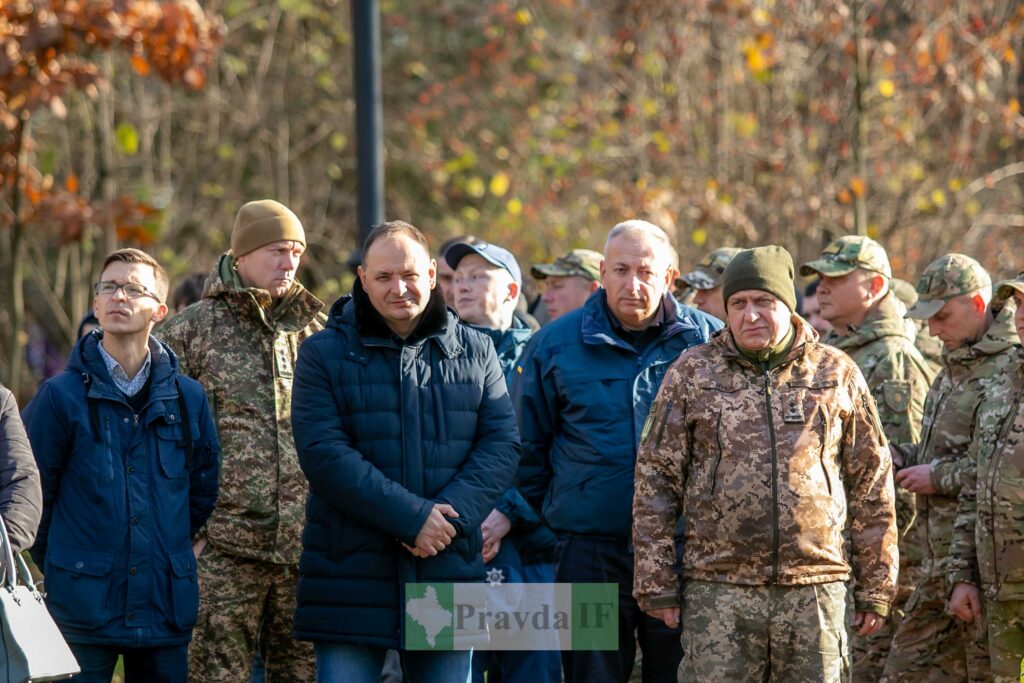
[(9, 568)]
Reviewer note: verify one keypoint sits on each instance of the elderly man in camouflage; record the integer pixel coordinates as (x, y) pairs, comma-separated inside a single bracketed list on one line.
[(867, 323), (954, 292), (241, 341), (986, 557), (765, 440), (568, 281), (706, 281)]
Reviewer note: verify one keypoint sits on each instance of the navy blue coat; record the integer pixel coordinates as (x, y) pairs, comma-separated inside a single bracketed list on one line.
[(121, 501), (384, 429), (583, 394)]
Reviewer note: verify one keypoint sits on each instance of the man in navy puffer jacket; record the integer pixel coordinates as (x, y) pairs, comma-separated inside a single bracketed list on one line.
[(405, 430)]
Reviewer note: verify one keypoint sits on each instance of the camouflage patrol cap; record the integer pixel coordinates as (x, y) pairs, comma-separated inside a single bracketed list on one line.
[(945, 278), (1008, 287), (708, 273), (847, 254), (583, 262)]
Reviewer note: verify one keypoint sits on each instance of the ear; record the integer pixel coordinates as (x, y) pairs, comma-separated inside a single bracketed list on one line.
[(978, 302), (603, 273), (362, 276), (513, 292), (160, 313), (877, 285), (432, 273), (594, 285)]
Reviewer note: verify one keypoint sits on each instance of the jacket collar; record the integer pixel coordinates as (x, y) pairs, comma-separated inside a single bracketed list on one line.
[(517, 334), (803, 334), (86, 360), (294, 312), (885, 319), (599, 327), (355, 313)]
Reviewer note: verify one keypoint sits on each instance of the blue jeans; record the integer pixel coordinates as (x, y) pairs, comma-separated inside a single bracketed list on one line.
[(343, 663), (141, 664)]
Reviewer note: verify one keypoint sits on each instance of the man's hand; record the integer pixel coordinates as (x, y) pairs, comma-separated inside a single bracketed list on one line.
[(669, 615), (491, 550), (965, 603), (916, 479), (495, 527), (869, 623), (437, 532), (197, 549)]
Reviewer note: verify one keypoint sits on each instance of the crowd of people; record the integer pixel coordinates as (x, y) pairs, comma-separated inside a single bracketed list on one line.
[(787, 484)]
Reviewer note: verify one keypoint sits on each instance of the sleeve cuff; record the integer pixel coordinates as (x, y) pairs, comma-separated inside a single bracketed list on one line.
[(879, 608), (652, 602)]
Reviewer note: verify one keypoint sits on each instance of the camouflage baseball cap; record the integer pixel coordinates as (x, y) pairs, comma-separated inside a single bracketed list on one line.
[(847, 254), (1006, 288), (708, 273), (945, 278), (583, 262)]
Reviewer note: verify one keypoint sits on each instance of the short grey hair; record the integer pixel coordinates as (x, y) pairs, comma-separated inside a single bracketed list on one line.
[(640, 230)]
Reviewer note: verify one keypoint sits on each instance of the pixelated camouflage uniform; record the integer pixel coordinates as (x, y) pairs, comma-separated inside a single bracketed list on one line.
[(898, 377), (764, 466), (987, 549), (930, 643), (242, 347)]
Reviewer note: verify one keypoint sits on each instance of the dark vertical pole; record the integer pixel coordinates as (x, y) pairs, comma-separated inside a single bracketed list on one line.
[(369, 118)]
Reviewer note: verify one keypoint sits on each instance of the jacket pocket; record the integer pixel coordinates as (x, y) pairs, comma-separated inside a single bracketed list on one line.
[(718, 458), (76, 583), (823, 416), (345, 536), (184, 589), (171, 448)]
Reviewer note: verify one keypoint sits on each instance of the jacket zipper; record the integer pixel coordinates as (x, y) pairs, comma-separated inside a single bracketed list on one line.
[(821, 453), (775, 477)]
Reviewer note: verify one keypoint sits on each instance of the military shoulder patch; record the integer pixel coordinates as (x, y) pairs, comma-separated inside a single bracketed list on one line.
[(897, 395)]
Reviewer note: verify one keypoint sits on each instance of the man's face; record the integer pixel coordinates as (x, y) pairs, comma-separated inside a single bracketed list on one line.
[(483, 292), (635, 278), (445, 277), (118, 313), (398, 274), (271, 267), (710, 302), (845, 300), (758, 320), (958, 322), (564, 293), (812, 314)]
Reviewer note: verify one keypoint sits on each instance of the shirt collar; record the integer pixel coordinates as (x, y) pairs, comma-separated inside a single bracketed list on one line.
[(130, 386)]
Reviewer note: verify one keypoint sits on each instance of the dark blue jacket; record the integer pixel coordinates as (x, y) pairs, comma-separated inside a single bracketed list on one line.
[(583, 394), (534, 541), (122, 498), (384, 429)]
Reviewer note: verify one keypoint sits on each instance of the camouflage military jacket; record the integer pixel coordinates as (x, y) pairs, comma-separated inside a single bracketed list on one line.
[(948, 428), (765, 468), (898, 377), (243, 351), (987, 549)]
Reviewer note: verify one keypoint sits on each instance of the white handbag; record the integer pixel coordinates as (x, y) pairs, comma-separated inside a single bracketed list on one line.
[(31, 646)]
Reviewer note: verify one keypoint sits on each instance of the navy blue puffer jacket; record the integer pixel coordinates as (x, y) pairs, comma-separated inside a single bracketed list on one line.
[(385, 428)]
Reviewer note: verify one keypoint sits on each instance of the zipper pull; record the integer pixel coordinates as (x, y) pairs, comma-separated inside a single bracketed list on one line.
[(136, 420)]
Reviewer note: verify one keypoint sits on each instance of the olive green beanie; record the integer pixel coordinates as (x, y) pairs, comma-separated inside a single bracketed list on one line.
[(769, 269), (264, 222)]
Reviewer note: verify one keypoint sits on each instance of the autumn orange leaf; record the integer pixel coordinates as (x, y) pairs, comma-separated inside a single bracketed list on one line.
[(140, 65), (71, 183)]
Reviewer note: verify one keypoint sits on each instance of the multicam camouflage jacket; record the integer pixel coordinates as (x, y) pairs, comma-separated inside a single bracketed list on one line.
[(987, 549), (243, 350), (765, 467), (898, 377), (949, 426)]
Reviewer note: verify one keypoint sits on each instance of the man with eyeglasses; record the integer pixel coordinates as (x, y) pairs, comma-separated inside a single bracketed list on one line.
[(241, 341), (127, 453)]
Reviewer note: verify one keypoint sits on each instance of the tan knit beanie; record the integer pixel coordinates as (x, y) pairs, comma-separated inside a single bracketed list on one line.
[(263, 222)]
